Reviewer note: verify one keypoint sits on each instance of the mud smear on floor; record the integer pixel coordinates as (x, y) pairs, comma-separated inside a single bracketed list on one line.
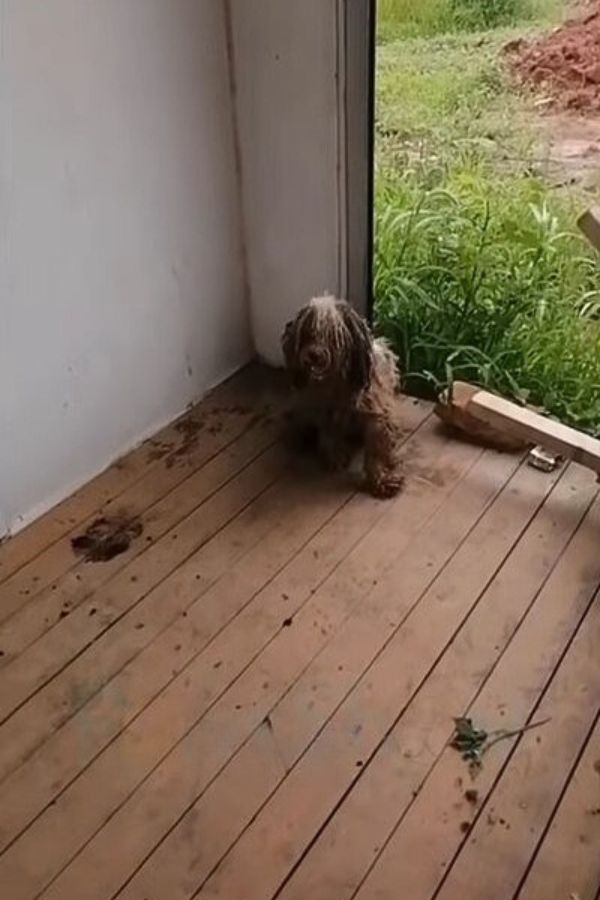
[(159, 449), (107, 537), (189, 429)]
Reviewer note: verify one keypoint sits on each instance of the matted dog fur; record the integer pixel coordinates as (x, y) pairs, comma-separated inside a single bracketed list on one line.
[(348, 385)]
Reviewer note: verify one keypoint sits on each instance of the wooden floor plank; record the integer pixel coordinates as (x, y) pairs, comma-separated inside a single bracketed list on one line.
[(259, 707), (185, 590), (504, 837), (213, 827), (179, 866), (173, 713), (420, 851), (568, 863), (251, 689), (160, 520), (331, 765), (49, 770), (227, 411), (117, 610), (44, 573), (42, 660), (344, 852)]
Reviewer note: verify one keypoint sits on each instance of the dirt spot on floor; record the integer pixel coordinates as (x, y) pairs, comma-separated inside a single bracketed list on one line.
[(189, 428), (158, 449), (564, 65), (439, 476), (107, 537)]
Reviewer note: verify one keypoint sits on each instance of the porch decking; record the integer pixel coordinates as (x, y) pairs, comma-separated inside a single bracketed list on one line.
[(255, 699)]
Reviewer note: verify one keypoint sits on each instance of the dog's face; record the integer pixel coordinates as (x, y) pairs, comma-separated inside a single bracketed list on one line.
[(328, 341)]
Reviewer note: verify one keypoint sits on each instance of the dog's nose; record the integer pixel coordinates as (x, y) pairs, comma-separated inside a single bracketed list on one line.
[(316, 361), (314, 357)]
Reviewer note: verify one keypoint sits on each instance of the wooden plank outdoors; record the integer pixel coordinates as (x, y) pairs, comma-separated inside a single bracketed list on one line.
[(529, 426), (589, 223)]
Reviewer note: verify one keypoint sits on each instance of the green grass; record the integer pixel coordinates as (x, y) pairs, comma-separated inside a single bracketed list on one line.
[(424, 18), (479, 274)]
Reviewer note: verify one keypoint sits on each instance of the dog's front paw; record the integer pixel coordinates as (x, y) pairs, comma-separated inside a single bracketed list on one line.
[(385, 486)]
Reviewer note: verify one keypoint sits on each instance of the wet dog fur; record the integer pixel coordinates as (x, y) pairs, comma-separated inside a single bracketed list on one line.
[(348, 385)]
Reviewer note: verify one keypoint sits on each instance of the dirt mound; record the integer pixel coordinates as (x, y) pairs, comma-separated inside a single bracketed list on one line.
[(565, 64)]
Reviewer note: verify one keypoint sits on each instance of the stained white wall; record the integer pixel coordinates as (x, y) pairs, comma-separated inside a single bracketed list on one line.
[(122, 290), (286, 64), (303, 78)]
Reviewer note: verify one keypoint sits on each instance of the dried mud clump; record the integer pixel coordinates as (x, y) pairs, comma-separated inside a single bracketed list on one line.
[(565, 64)]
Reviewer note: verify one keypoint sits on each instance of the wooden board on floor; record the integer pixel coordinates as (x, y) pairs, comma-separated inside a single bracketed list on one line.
[(510, 421)]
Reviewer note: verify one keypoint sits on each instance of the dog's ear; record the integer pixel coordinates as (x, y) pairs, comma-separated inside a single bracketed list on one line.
[(287, 343), (289, 346), (361, 350)]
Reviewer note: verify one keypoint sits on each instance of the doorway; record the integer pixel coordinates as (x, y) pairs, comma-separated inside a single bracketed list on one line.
[(486, 151)]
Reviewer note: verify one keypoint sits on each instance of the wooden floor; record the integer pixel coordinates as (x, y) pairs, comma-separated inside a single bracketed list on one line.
[(255, 700)]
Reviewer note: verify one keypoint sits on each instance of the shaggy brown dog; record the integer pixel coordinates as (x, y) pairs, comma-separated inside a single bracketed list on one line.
[(349, 383)]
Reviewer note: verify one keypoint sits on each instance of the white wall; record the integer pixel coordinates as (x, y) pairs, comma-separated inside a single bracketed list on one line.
[(303, 100), (122, 290), (286, 65)]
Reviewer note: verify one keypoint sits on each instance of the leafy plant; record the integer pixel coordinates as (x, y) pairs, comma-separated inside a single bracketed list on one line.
[(479, 274), (473, 743)]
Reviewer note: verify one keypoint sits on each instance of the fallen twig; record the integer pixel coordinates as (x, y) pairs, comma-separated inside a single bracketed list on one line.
[(504, 735)]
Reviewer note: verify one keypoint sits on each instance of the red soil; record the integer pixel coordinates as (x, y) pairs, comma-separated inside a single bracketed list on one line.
[(565, 64)]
